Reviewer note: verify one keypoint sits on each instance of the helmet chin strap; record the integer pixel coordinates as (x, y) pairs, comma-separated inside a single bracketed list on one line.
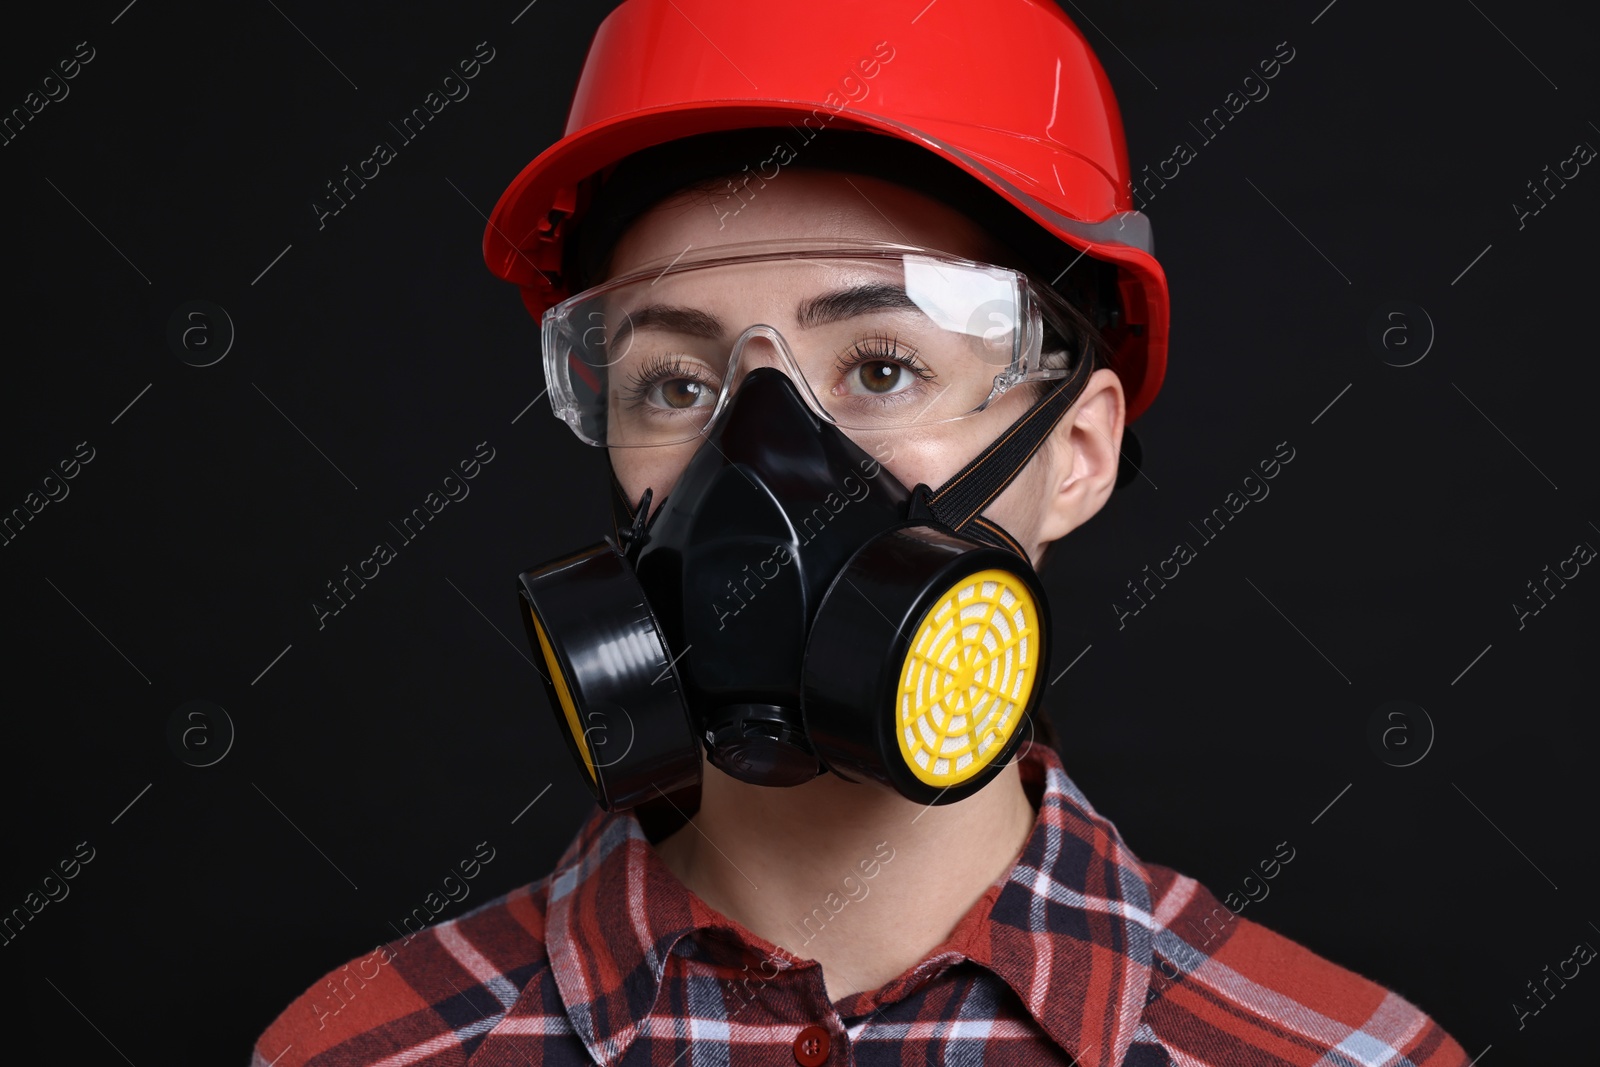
[(959, 502)]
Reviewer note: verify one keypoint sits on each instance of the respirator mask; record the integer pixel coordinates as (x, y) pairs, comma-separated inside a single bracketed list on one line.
[(790, 606)]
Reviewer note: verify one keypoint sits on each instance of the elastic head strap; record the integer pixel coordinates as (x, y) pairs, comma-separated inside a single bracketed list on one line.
[(959, 502)]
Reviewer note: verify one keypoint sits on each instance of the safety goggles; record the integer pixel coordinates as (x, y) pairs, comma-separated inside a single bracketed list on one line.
[(876, 337)]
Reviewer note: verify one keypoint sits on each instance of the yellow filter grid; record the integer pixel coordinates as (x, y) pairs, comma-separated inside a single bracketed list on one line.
[(967, 677)]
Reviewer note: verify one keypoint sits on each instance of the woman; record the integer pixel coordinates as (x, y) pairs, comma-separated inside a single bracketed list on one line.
[(860, 349)]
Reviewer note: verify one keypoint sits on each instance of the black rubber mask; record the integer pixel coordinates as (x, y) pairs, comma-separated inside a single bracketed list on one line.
[(795, 609)]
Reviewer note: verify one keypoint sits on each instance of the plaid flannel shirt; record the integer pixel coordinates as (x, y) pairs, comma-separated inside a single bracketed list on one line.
[(1079, 954)]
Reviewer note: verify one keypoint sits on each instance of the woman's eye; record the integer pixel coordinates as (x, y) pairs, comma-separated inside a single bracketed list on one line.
[(681, 393), (883, 376), (880, 366), (668, 382)]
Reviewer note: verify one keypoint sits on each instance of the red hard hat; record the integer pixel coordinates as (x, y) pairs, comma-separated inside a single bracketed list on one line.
[(1008, 92)]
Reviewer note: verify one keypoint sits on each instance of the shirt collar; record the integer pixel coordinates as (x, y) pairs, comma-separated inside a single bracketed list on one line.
[(1069, 928)]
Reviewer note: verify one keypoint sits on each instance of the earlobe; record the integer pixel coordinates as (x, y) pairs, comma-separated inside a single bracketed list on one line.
[(1084, 451)]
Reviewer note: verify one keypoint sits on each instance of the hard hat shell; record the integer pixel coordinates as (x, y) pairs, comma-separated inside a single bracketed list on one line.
[(1008, 91)]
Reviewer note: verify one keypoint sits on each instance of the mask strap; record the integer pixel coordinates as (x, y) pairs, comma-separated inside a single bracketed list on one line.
[(958, 503), (621, 507)]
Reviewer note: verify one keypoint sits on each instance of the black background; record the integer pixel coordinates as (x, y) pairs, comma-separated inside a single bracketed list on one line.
[(379, 750)]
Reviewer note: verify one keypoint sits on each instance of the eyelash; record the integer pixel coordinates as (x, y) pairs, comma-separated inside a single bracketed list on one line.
[(660, 369), (881, 350)]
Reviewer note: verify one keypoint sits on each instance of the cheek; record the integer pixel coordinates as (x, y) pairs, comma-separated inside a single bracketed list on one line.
[(928, 458), (939, 452), (1019, 509), (656, 469), (935, 454)]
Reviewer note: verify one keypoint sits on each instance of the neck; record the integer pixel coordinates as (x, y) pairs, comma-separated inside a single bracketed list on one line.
[(854, 876)]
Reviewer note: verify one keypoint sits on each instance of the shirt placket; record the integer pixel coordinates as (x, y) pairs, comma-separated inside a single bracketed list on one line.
[(773, 1007)]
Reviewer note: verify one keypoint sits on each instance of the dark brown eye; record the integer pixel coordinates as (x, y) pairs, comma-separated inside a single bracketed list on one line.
[(881, 376), (681, 392)]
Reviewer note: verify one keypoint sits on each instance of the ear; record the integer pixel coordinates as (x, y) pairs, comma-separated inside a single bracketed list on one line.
[(1082, 452)]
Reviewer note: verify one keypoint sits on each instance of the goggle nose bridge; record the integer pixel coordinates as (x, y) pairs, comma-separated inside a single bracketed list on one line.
[(786, 364)]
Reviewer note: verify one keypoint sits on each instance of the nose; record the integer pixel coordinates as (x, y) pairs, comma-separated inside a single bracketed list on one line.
[(761, 346), (764, 346)]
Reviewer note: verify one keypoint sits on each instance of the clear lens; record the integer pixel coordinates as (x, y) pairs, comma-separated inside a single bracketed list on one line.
[(874, 341)]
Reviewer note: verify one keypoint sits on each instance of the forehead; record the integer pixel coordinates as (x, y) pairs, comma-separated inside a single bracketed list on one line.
[(799, 202)]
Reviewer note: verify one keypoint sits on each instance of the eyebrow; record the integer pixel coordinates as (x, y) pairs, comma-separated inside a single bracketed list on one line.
[(847, 303), (674, 319), (814, 311)]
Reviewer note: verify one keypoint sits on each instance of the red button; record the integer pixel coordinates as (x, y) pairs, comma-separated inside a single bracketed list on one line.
[(811, 1047)]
